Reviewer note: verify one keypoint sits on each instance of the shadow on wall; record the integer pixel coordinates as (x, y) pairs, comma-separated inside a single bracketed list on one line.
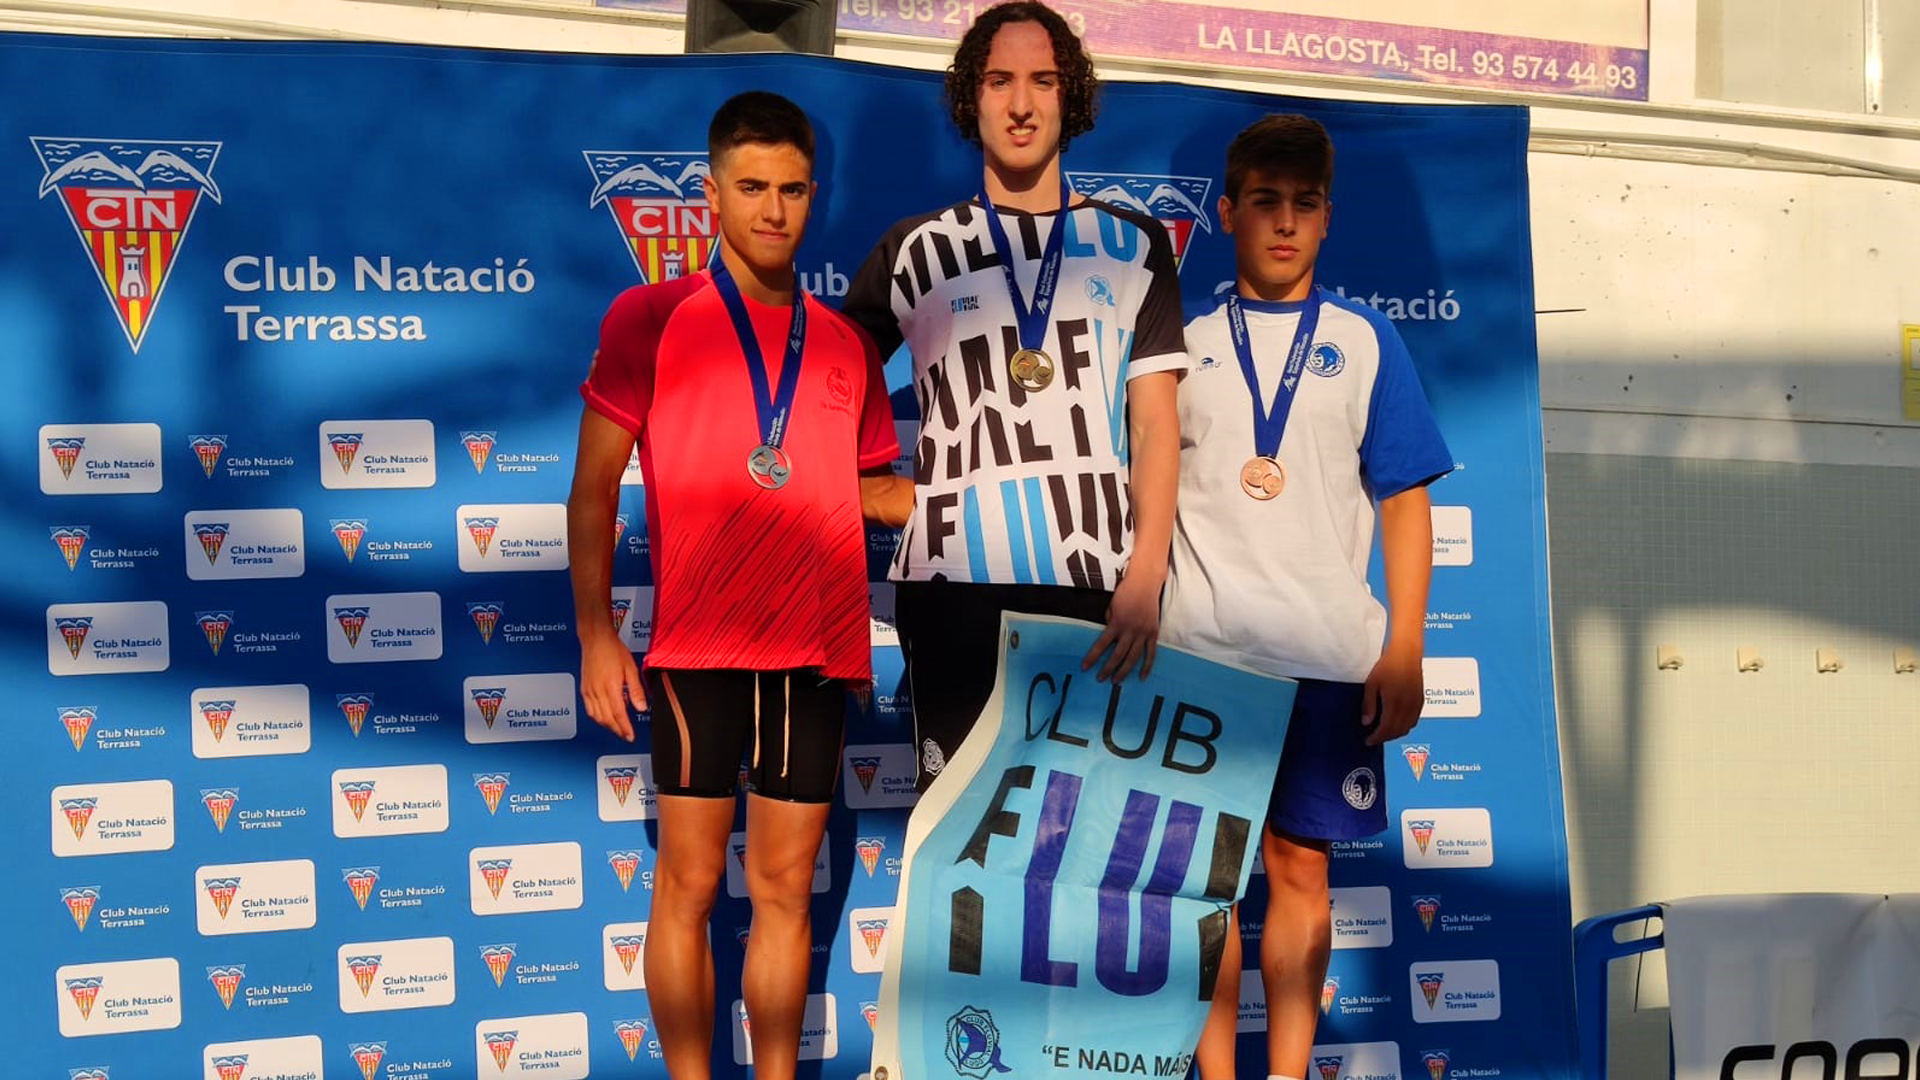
[(1703, 779)]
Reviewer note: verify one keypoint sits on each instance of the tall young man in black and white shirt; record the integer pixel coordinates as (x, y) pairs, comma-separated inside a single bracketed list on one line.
[(1046, 337)]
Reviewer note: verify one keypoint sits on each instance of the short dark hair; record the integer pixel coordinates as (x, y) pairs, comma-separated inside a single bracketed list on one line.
[(1285, 143), (758, 116), (1079, 87)]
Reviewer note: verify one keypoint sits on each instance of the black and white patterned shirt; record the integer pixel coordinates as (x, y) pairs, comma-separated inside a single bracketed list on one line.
[(1016, 487)]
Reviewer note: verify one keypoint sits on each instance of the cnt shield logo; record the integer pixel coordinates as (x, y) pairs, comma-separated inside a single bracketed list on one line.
[(365, 969), (74, 631), (349, 532), (355, 708), (222, 890), (492, 786), (500, 1045), (1427, 907), (1431, 983), (481, 530), (625, 863), (360, 881), (226, 981), (1178, 203), (660, 207), (217, 713), (869, 848), (1422, 832), (220, 803), (80, 902), (214, 626), (486, 619), (357, 793), (346, 447), (207, 450), (1329, 1066), (352, 620), (869, 926), (479, 447), (499, 960), (1417, 755), (488, 700), (212, 536), (85, 991), (79, 811), (633, 1035), (66, 452), (131, 202), (78, 720), (72, 541), (1437, 1063), (494, 872), (628, 949), (368, 1056)]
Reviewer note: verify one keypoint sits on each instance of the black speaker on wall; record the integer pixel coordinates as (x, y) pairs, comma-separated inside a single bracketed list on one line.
[(736, 26)]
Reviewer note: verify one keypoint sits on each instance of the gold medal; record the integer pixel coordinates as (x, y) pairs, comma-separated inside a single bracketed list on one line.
[(1032, 370), (1262, 478)]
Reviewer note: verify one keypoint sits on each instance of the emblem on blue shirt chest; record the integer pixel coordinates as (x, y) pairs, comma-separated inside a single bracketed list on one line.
[(1326, 360)]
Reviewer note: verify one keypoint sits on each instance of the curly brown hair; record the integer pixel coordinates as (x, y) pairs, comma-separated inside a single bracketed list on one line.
[(1079, 87)]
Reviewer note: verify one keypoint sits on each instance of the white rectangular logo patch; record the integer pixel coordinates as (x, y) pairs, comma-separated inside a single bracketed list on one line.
[(412, 973), (519, 708), (389, 800), (224, 545), (369, 628), (254, 898), (107, 638), (99, 459), (501, 537), (250, 721), (376, 454)]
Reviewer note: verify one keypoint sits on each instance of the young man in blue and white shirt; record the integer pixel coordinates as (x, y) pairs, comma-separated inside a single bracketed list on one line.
[(1300, 416)]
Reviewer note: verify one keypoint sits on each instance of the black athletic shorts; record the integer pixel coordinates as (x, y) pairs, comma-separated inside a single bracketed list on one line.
[(950, 637), (782, 729)]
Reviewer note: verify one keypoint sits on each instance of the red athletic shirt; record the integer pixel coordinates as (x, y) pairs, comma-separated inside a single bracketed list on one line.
[(747, 577)]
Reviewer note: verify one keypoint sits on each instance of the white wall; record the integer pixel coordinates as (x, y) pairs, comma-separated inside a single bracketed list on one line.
[(1714, 304)]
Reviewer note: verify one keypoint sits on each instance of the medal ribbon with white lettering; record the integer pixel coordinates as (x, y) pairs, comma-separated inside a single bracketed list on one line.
[(1262, 477), (767, 464), (1031, 367)]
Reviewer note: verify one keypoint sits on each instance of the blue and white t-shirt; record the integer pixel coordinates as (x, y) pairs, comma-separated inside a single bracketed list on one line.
[(1281, 586), (1013, 487)]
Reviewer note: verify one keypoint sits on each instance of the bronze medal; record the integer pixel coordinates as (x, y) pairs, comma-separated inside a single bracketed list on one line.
[(1262, 478)]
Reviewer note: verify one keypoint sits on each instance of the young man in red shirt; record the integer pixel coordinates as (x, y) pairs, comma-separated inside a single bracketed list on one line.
[(764, 432)]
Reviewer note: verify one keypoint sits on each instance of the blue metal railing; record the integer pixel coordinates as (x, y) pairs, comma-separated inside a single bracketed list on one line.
[(1594, 950)]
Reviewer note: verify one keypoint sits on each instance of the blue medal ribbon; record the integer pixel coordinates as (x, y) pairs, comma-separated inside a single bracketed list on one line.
[(1270, 422), (773, 407), (1031, 320)]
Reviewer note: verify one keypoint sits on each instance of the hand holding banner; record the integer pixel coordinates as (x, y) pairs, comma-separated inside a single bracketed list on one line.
[(1063, 902)]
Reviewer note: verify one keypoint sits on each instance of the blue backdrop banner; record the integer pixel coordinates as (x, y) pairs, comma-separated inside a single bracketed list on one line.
[(301, 782), (1067, 877)]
